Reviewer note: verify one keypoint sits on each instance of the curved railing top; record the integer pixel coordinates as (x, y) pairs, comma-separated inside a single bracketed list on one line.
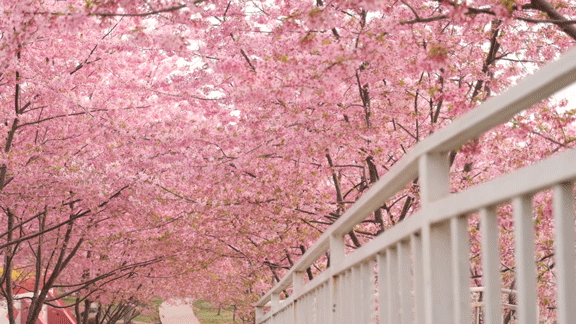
[(533, 89)]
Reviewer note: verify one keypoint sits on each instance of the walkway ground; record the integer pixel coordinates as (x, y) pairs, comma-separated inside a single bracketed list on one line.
[(177, 312)]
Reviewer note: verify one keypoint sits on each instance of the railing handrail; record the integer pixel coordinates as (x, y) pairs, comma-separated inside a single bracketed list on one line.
[(542, 175), (494, 111)]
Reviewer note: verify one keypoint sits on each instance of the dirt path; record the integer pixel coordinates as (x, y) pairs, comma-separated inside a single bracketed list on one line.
[(177, 312)]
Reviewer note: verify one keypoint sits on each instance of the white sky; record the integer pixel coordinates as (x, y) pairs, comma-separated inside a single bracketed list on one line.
[(568, 93)]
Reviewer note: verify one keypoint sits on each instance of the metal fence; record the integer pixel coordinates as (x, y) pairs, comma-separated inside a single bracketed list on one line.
[(419, 270)]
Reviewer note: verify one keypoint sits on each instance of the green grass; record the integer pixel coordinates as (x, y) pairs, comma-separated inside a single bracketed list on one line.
[(147, 318), (208, 314)]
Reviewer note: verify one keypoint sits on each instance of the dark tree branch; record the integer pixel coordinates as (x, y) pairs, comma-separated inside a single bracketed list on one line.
[(247, 60), (546, 7), (3, 170), (308, 270), (143, 14), (31, 236), (365, 96), (558, 22), (407, 131), (373, 172), (490, 58), (405, 208), (411, 9), (339, 197), (60, 116), (424, 20), (11, 135)]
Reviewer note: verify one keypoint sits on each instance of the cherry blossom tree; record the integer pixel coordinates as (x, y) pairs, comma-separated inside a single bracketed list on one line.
[(329, 95), (82, 149), (177, 148)]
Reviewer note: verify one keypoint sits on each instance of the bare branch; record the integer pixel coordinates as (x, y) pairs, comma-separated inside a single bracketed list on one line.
[(424, 20), (547, 21), (365, 96), (336, 181), (412, 9), (407, 131), (546, 7), (61, 116), (144, 14), (248, 60)]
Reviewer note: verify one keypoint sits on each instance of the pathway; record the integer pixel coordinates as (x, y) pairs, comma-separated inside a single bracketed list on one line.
[(177, 312)]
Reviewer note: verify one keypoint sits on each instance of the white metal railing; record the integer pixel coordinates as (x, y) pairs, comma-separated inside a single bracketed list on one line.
[(422, 263)]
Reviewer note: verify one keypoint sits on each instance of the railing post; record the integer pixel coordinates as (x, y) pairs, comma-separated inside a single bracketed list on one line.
[(416, 247), (298, 287), (355, 299), (433, 169), (490, 265), (368, 291), (298, 282), (393, 307), (564, 245), (403, 251), (383, 289), (525, 259), (337, 249), (461, 268), (259, 313), (275, 302), (337, 254), (436, 238)]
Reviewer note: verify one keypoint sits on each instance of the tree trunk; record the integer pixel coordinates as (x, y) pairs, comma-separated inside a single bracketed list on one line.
[(8, 270)]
